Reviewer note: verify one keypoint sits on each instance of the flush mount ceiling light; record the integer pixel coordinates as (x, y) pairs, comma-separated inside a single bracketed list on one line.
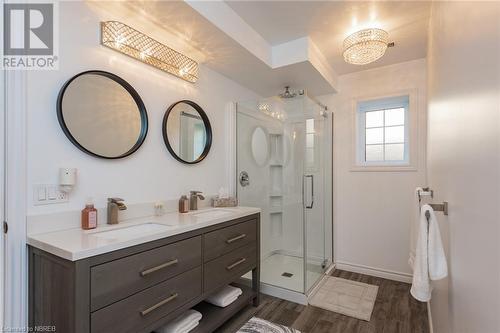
[(365, 46), (122, 38)]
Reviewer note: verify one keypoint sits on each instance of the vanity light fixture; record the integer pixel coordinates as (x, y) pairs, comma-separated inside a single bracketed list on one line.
[(122, 38), (365, 46)]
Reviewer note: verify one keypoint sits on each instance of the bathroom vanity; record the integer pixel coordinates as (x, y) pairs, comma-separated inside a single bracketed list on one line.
[(109, 280)]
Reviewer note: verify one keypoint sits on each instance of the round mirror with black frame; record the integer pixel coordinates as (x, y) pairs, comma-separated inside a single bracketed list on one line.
[(102, 114), (187, 132)]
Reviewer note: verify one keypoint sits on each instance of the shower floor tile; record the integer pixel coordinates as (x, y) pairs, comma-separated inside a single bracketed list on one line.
[(273, 267)]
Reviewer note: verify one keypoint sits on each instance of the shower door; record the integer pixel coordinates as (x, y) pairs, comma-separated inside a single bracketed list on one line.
[(314, 200), (280, 169)]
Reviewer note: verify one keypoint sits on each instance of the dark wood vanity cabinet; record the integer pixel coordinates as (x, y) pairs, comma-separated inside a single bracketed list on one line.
[(141, 288)]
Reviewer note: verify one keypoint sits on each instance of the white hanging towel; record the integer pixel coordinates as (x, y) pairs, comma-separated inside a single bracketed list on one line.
[(430, 261), (414, 223), (183, 324)]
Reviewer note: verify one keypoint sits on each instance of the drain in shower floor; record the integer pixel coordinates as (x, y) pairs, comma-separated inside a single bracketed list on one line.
[(286, 274)]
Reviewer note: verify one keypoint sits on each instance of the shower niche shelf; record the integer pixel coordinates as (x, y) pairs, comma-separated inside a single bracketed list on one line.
[(276, 169), (276, 204)]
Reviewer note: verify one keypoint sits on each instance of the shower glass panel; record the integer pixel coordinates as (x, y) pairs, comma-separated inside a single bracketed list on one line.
[(280, 144)]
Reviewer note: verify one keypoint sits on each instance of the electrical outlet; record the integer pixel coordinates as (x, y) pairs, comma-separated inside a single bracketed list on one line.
[(44, 194)]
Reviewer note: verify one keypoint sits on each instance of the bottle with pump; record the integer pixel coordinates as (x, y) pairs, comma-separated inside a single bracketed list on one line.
[(183, 204), (89, 216)]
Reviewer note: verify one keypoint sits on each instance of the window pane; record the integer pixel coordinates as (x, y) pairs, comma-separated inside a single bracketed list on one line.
[(374, 153), (395, 152), (374, 135), (395, 134), (395, 117), (310, 140), (374, 119)]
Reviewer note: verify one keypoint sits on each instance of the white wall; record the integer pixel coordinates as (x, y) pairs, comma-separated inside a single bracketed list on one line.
[(372, 209), (151, 173), (464, 161)]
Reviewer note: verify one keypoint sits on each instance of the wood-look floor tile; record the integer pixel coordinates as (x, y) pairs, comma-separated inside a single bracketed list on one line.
[(395, 311)]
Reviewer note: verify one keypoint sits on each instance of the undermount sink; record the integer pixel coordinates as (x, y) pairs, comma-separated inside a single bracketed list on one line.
[(131, 231), (212, 214)]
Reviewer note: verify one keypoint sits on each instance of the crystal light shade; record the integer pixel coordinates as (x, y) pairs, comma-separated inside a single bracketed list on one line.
[(122, 38), (365, 46)]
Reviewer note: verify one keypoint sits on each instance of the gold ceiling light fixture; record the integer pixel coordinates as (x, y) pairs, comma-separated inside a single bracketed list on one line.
[(122, 38), (365, 46)]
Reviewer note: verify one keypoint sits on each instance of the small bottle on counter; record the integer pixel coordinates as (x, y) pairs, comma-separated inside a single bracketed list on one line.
[(89, 216), (183, 204)]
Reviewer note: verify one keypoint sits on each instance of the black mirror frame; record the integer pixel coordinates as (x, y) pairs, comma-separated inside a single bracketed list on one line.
[(208, 128), (130, 90)]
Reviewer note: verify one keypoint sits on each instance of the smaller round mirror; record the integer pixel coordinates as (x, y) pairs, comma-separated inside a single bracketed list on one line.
[(187, 132), (260, 146)]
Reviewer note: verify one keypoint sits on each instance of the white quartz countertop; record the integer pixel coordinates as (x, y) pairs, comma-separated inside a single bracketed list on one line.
[(75, 244)]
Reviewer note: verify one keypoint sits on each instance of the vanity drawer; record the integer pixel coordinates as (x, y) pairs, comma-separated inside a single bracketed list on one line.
[(227, 268), (222, 241), (148, 306), (115, 280)]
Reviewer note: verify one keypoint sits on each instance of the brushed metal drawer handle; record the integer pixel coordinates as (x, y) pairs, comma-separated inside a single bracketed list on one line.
[(157, 268), (157, 305), (239, 262), (234, 239)]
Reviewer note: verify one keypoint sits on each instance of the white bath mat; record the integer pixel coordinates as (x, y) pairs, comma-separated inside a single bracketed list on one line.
[(350, 298)]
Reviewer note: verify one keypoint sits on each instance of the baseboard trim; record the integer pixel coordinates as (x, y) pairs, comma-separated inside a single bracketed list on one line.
[(382, 273), (330, 269)]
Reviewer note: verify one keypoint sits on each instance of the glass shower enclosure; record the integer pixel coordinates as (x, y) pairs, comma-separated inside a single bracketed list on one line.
[(284, 166)]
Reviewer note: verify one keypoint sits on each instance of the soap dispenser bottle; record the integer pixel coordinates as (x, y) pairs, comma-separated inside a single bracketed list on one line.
[(183, 204), (89, 216)]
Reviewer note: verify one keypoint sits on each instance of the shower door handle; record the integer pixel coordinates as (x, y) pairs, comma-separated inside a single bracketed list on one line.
[(310, 206)]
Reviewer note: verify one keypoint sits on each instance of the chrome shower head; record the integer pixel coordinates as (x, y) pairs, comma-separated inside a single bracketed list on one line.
[(287, 93)]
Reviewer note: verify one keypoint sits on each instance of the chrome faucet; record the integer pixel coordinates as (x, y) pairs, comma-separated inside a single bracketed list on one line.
[(193, 199), (114, 205)]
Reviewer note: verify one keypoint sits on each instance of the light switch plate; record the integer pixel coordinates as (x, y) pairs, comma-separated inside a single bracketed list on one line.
[(44, 194)]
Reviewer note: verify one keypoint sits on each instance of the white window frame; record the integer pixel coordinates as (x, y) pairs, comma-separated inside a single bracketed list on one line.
[(361, 105)]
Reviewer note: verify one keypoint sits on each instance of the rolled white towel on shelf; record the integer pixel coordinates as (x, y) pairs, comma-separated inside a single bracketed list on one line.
[(225, 296), (185, 323)]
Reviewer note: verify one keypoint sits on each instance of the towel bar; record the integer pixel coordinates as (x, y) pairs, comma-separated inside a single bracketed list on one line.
[(438, 208), (425, 191)]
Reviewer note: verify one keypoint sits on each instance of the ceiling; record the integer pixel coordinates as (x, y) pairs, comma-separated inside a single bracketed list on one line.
[(181, 27), (243, 39), (327, 23)]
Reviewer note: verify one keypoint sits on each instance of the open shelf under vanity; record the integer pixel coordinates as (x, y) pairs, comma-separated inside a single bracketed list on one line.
[(214, 316)]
